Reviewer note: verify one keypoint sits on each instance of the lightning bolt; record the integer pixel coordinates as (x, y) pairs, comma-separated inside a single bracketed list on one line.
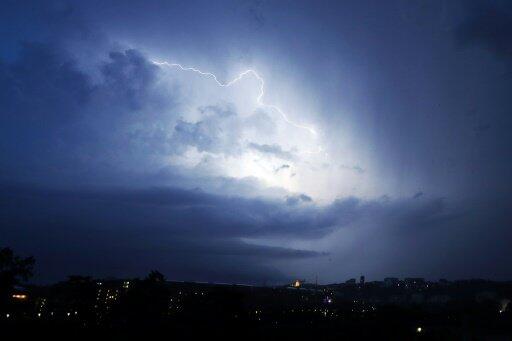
[(259, 99)]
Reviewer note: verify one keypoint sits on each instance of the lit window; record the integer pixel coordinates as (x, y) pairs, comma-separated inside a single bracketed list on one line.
[(19, 296)]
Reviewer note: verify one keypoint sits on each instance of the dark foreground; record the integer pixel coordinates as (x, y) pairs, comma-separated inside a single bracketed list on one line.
[(464, 310)]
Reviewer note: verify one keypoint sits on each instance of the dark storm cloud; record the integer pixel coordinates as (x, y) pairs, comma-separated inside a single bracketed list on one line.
[(488, 27), (62, 121), (130, 75), (79, 110), (218, 131), (43, 93), (272, 150), (297, 199), (59, 121), (431, 238), (194, 212), (144, 226), (43, 82), (196, 235)]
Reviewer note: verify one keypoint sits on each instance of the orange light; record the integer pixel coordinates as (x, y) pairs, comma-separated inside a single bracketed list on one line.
[(297, 284), (19, 296)]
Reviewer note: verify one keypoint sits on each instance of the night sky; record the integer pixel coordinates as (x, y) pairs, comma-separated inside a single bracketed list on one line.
[(370, 138)]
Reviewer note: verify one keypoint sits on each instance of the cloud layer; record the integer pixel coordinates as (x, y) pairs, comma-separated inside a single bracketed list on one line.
[(111, 165)]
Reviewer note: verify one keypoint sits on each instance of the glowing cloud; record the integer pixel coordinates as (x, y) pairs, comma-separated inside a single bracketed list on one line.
[(259, 99)]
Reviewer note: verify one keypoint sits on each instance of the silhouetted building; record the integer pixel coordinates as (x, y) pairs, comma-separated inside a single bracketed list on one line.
[(391, 282), (414, 283), (180, 307)]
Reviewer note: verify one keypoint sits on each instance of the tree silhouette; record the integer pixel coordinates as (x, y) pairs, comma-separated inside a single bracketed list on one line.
[(13, 270), (155, 276)]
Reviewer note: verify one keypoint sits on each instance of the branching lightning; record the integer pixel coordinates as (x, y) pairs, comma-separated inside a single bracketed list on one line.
[(259, 99)]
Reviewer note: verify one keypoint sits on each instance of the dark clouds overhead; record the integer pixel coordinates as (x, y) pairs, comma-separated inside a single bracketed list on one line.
[(195, 235), (127, 231), (488, 27), (130, 76), (406, 96), (217, 131)]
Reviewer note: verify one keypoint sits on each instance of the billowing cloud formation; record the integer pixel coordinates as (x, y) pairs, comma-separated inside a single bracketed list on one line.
[(69, 128), (57, 121), (188, 234), (218, 131), (129, 77), (423, 237), (112, 165), (194, 235)]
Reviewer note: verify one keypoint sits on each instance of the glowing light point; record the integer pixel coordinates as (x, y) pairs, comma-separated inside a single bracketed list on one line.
[(19, 296)]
